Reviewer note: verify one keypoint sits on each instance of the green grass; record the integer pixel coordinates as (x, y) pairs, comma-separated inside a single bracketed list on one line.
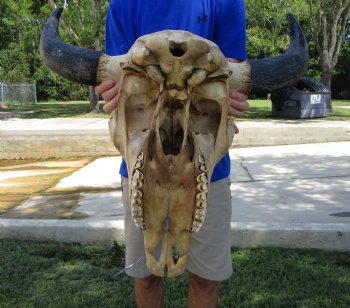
[(259, 110), (73, 275), (262, 109), (52, 109)]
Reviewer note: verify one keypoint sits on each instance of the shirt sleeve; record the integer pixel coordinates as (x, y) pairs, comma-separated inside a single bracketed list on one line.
[(230, 28), (116, 42)]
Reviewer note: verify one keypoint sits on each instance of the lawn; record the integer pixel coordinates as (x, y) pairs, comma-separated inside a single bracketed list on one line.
[(259, 110), (73, 275)]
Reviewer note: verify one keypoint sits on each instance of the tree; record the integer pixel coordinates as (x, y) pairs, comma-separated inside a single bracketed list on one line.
[(267, 26), (329, 20)]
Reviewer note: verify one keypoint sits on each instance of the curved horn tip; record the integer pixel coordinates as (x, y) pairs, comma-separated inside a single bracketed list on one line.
[(57, 13), (290, 17), (272, 73)]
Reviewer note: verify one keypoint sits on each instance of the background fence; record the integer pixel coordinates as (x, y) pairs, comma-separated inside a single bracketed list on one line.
[(18, 93)]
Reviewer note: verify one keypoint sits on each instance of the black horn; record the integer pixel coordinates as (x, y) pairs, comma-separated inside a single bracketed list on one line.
[(74, 63), (276, 72)]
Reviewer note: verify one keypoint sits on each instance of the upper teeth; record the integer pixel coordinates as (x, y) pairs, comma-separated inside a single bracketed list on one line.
[(136, 194), (201, 197)]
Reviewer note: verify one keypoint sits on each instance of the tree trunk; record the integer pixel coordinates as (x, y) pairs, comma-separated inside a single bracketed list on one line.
[(94, 104), (328, 29), (327, 77)]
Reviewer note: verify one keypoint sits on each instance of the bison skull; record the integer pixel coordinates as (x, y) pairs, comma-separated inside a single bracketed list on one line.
[(171, 124), (172, 127)]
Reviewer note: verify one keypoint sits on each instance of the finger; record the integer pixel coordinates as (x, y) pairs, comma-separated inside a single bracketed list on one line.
[(241, 106), (238, 96), (111, 105), (236, 128), (104, 86), (108, 95), (234, 112), (237, 108)]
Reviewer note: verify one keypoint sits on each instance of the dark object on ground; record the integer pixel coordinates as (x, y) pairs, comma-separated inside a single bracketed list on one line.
[(306, 99)]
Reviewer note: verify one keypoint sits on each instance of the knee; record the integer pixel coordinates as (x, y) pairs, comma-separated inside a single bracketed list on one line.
[(149, 282), (203, 284)]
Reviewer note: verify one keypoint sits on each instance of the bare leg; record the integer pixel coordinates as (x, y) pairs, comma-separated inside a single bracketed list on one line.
[(149, 292), (202, 292)]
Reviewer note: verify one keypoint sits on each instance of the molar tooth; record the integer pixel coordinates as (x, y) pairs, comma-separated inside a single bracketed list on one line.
[(202, 178), (136, 193), (138, 220), (136, 184), (140, 225), (202, 167), (203, 187), (201, 159), (137, 175), (140, 157), (200, 212), (201, 205), (199, 218), (201, 196), (196, 225), (137, 210), (135, 201), (139, 164)]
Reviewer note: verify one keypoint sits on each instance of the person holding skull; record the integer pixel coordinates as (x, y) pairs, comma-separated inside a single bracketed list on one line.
[(224, 23), (177, 73)]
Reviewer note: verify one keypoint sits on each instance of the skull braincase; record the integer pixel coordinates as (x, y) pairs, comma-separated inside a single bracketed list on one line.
[(172, 127)]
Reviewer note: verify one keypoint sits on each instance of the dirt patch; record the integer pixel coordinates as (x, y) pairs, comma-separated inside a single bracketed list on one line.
[(21, 180), (47, 207)]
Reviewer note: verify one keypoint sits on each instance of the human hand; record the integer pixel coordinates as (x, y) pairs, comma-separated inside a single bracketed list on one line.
[(109, 90), (237, 105)]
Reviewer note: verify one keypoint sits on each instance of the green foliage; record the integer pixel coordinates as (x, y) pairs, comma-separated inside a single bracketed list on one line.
[(51, 86), (22, 21), (267, 26), (21, 25), (341, 78), (87, 20), (14, 64)]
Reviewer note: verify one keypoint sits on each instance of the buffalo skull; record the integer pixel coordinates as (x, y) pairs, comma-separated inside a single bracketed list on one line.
[(172, 123)]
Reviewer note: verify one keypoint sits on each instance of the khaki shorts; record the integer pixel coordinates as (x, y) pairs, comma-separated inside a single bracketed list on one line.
[(210, 248)]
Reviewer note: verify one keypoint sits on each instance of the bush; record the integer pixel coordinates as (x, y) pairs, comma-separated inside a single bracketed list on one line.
[(51, 86)]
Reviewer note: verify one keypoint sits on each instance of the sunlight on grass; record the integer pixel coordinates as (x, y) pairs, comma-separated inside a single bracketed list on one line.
[(260, 109), (72, 275)]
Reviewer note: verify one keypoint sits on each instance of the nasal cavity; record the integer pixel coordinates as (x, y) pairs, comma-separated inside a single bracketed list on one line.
[(177, 49)]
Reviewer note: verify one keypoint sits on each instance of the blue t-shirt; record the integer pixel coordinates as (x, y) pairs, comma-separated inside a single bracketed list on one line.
[(221, 21)]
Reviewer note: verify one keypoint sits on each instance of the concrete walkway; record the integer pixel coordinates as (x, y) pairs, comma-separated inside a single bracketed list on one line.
[(285, 196), (82, 137)]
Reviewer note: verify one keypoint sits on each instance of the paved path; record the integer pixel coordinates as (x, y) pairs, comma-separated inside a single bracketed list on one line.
[(81, 137), (286, 196)]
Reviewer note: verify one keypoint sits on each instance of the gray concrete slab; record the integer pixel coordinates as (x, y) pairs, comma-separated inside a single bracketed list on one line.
[(81, 137), (102, 206), (287, 196), (101, 173), (64, 124)]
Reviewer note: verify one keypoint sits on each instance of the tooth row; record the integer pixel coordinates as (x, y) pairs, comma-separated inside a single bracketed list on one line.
[(201, 197), (136, 194)]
